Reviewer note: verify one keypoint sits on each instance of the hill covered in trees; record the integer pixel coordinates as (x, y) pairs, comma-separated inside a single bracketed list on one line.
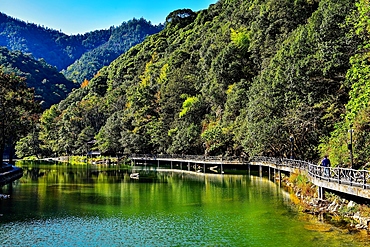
[(121, 39), (82, 55), (57, 48), (50, 86), (34, 51), (264, 77)]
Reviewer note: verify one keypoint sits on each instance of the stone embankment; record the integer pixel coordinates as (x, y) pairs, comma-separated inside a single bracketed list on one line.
[(9, 173), (333, 208), (2, 196)]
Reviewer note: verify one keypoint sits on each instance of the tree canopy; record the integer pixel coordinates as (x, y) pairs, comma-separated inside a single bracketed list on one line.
[(18, 110), (78, 56), (262, 77), (49, 85)]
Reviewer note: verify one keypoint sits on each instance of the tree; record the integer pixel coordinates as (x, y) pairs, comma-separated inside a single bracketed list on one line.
[(181, 16), (29, 145), (18, 110), (357, 114), (85, 83)]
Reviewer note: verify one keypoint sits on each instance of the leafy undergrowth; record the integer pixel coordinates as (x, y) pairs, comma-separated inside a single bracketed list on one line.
[(334, 209)]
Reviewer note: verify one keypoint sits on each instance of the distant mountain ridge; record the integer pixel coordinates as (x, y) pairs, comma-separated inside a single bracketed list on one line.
[(121, 39), (82, 54), (40, 53), (57, 48)]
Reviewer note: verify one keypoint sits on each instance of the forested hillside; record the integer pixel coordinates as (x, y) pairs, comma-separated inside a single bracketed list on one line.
[(50, 86), (97, 48), (121, 39), (253, 77), (57, 48)]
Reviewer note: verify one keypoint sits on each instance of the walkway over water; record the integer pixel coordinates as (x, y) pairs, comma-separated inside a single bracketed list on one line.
[(349, 181)]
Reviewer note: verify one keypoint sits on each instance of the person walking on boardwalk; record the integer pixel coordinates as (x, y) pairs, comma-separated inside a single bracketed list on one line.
[(326, 163)]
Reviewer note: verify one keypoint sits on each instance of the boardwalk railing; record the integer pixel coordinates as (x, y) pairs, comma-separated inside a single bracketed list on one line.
[(351, 177), (200, 158), (345, 176)]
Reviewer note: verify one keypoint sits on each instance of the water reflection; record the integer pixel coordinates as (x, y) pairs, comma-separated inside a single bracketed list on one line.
[(59, 205)]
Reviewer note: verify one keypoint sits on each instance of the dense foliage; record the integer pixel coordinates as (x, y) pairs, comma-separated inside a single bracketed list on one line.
[(27, 42), (18, 110), (121, 39), (50, 86), (85, 54), (356, 117), (251, 77), (57, 48)]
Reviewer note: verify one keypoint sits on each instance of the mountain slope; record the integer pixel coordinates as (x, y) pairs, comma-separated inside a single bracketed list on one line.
[(266, 77), (61, 50), (57, 48), (50, 86), (121, 39)]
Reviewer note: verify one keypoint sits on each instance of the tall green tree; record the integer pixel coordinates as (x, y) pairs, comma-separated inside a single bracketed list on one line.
[(18, 110), (357, 114)]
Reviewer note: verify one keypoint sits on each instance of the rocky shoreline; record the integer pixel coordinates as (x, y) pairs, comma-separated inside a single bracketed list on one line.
[(333, 209)]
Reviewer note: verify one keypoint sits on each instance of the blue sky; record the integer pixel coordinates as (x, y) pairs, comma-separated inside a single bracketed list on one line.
[(81, 16)]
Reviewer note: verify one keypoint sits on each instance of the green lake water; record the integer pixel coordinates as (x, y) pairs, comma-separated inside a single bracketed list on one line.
[(60, 205)]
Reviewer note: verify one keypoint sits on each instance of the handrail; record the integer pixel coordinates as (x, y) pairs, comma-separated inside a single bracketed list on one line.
[(231, 159), (356, 178), (351, 177)]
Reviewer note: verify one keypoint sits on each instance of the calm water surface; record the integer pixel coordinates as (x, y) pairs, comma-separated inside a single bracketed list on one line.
[(60, 205)]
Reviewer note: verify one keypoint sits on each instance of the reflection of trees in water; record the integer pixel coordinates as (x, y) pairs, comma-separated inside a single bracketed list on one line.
[(33, 173), (68, 174)]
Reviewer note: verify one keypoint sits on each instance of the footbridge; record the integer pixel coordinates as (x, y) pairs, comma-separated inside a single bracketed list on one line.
[(344, 180)]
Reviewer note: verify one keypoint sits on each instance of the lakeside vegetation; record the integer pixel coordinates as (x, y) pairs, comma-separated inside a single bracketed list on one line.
[(18, 110), (264, 77), (339, 210), (38, 54)]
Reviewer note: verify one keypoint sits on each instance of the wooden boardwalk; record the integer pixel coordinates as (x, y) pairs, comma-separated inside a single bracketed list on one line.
[(344, 180)]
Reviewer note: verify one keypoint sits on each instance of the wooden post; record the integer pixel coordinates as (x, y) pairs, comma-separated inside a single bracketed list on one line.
[(171, 164), (269, 173), (279, 177), (339, 176), (260, 171), (222, 169), (204, 167), (249, 169), (321, 193), (364, 181), (188, 166)]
